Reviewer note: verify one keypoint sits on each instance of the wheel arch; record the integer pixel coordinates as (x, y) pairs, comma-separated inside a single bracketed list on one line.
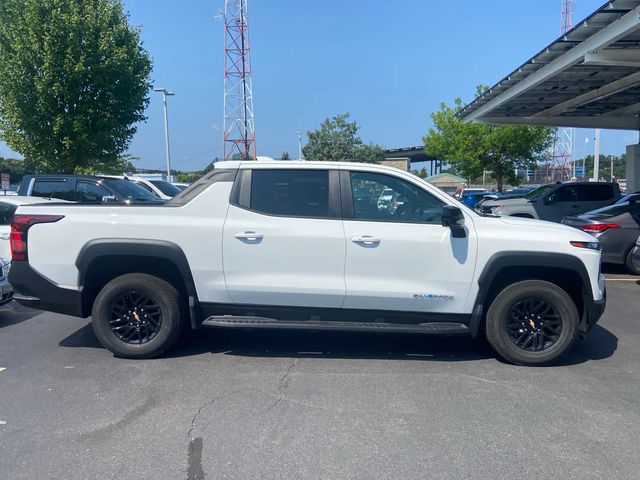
[(505, 268), (102, 260)]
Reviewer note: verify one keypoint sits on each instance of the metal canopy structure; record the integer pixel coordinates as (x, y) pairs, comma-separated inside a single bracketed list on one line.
[(414, 154), (588, 78)]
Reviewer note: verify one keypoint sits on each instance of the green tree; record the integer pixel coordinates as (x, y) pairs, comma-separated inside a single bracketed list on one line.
[(122, 165), (14, 167), (472, 148), (74, 80), (604, 171), (285, 156), (337, 140), (370, 153)]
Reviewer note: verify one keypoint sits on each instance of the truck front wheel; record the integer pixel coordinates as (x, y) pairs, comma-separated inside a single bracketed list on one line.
[(137, 316), (532, 322)]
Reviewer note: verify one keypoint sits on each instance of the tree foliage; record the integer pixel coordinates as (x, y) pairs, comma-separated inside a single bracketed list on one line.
[(472, 148), (619, 166), (337, 140), (74, 80)]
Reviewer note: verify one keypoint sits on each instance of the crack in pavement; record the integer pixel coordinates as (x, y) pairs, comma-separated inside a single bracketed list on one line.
[(194, 452), (282, 384)]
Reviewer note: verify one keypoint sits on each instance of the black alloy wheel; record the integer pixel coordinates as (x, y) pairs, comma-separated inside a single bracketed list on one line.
[(136, 317), (534, 324)]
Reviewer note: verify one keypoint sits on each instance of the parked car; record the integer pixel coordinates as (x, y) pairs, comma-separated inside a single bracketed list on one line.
[(8, 206), (462, 191), (616, 227), (471, 199), (86, 189), (388, 200), (284, 245), (160, 188), (6, 290), (635, 256), (517, 192), (553, 202), (629, 198)]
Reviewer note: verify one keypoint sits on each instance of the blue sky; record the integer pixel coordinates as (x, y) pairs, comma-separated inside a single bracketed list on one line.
[(387, 63)]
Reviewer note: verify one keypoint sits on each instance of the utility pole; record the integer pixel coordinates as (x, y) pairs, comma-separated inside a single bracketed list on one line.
[(596, 157), (300, 145), (166, 93), (239, 128), (562, 156)]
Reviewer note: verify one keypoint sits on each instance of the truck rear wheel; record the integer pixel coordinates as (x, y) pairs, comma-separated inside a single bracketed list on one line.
[(137, 316), (532, 322)]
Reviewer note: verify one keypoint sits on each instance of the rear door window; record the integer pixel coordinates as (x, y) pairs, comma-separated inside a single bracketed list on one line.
[(54, 188), (595, 193), (291, 193)]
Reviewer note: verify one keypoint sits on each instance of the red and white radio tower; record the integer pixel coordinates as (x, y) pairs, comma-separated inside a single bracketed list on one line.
[(562, 156), (239, 130)]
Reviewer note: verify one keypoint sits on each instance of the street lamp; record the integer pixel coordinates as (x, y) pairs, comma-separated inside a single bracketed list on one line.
[(166, 93)]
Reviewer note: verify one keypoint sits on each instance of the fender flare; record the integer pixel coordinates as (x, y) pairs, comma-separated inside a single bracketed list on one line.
[(524, 259), (170, 251)]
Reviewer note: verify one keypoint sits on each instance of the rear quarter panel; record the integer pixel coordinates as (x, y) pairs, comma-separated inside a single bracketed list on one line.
[(195, 227)]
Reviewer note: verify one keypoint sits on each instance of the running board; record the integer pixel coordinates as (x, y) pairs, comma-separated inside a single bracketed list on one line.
[(436, 328)]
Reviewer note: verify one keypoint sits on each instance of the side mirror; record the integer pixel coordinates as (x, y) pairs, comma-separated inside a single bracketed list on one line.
[(453, 218), (547, 200)]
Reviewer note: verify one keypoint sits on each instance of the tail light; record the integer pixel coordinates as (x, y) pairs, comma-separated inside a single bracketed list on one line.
[(598, 227), (19, 228)]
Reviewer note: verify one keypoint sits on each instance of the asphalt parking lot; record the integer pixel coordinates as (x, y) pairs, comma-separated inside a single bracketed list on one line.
[(249, 405)]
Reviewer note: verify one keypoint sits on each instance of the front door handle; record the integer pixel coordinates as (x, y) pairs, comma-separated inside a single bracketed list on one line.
[(4, 236), (253, 236), (366, 239)]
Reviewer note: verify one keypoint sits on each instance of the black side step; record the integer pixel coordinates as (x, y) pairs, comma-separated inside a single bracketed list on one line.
[(436, 328)]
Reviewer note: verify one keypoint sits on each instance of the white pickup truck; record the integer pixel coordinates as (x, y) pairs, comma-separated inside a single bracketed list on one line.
[(307, 245)]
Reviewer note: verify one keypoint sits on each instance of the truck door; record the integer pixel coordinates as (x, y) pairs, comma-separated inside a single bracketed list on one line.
[(399, 256), (283, 240)]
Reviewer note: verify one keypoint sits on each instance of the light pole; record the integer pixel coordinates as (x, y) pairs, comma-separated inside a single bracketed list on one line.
[(166, 93)]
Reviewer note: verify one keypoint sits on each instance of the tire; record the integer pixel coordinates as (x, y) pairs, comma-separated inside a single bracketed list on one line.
[(137, 316), (629, 264), (515, 324)]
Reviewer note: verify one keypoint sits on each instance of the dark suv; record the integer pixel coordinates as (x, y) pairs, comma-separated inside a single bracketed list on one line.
[(86, 189), (555, 201)]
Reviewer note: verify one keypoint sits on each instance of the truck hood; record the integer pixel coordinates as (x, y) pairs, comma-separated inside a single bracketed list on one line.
[(511, 202), (540, 227)]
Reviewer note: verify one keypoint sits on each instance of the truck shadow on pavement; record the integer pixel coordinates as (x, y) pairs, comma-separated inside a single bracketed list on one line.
[(598, 345), (13, 313)]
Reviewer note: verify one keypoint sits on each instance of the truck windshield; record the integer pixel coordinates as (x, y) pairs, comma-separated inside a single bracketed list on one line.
[(540, 191), (128, 190)]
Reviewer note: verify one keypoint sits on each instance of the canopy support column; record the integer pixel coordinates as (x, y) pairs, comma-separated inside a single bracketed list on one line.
[(633, 168)]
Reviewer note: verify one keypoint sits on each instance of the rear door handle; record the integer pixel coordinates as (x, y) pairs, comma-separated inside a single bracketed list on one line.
[(4, 236), (366, 239), (248, 236)]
